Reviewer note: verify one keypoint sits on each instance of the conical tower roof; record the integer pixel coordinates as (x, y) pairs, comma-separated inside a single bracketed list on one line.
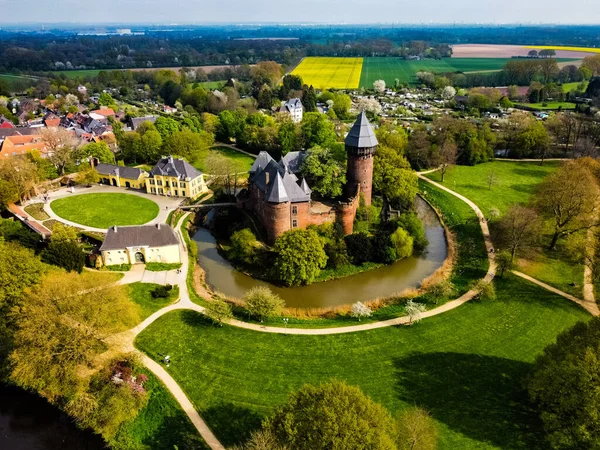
[(278, 193), (361, 134)]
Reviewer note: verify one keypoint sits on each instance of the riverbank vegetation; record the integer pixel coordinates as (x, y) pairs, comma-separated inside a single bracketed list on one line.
[(490, 343)]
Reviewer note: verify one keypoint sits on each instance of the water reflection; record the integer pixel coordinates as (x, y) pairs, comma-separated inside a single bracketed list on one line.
[(383, 282)]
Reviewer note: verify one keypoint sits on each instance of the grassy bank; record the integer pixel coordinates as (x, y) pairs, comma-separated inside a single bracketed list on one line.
[(465, 366), (141, 295)]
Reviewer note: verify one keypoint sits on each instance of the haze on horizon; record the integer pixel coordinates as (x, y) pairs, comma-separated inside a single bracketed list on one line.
[(307, 11)]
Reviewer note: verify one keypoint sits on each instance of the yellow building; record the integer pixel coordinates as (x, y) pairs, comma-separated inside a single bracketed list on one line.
[(122, 176), (175, 178), (140, 244)]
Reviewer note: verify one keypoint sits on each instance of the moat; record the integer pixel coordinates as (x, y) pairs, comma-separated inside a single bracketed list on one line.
[(382, 282)]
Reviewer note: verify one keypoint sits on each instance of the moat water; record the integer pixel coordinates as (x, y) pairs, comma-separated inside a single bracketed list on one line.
[(383, 282), (28, 422)]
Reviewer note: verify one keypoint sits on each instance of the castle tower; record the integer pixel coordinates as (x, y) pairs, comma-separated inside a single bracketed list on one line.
[(361, 145)]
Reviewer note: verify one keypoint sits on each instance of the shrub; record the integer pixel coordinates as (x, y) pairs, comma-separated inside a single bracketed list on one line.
[(360, 249), (162, 267), (65, 254), (337, 254), (486, 290), (443, 290), (162, 291), (416, 430), (383, 249), (402, 243), (413, 225), (263, 303), (243, 246), (360, 310), (218, 311)]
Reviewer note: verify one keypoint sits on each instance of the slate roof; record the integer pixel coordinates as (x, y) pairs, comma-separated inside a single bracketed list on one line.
[(281, 185), (361, 134), (130, 173), (160, 235), (290, 105), (170, 167)]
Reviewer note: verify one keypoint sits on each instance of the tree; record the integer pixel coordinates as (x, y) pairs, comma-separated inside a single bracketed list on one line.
[(263, 303), (446, 157), (106, 99), (360, 248), (98, 150), (341, 105), (532, 54), (448, 93), (300, 256), (332, 416), (325, 175), (414, 311), (170, 92), (491, 179), (61, 145), (151, 145), (20, 177), (379, 86), (223, 171), (218, 311), (87, 176), (166, 127), (290, 83), (568, 198), (504, 262), (402, 243), (565, 386), (65, 254), (519, 229), (416, 430), (62, 325), (188, 145), (288, 136), (534, 141), (317, 130), (393, 178), (360, 310)]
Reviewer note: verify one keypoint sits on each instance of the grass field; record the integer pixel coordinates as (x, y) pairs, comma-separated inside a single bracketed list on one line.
[(244, 161), (565, 48), (337, 73), (466, 366), (515, 182), (568, 87), (105, 210), (141, 295), (549, 106)]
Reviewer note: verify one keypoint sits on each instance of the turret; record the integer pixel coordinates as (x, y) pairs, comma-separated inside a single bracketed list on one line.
[(361, 144)]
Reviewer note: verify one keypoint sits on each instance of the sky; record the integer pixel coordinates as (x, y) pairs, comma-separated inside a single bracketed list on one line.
[(287, 11)]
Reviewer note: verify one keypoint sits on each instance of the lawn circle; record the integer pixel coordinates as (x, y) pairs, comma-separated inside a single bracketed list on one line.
[(105, 210)]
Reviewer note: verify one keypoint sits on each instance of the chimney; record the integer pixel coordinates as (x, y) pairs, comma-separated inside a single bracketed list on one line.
[(115, 228), (266, 178)]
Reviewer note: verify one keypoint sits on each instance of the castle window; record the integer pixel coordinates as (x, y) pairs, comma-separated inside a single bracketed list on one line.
[(294, 223), (159, 182), (183, 193), (151, 181), (294, 210)]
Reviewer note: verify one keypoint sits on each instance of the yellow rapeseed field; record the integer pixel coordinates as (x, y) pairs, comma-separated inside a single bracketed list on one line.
[(324, 73), (564, 48)]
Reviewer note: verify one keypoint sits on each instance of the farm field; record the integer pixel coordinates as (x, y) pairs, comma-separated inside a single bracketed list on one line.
[(337, 73), (563, 48), (461, 366)]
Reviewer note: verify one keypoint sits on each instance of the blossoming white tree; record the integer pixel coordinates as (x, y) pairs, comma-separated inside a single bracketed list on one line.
[(360, 310), (379, 86), (414, 311)]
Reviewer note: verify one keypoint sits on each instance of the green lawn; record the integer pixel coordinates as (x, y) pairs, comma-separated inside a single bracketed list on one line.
[(389, 68), (105, 210), (81, 73), (244, 161), (549, 106), (141, 295), (21, 81), (515, 182), (465, 366), (162, 424), (568, 87), (212, 84)]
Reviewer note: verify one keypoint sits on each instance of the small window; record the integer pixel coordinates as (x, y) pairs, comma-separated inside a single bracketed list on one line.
[(183, 193), (176, 193), (294, 210), (294, 223)]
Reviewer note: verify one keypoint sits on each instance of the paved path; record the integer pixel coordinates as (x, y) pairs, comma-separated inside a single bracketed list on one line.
[(165, 204), (590, 306)]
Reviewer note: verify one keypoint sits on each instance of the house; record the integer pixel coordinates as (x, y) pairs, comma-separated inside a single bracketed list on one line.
[(175, 178), (121, 176), (294, 108), (140, 244), (135, 122), (105, 112), (20, 145), (51, 120), (169, 109), (82, 89)]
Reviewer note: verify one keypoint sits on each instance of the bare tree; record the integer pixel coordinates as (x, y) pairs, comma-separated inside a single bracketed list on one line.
[(61, 145), (447, 157), (568, 197), (491, 179), (519, 229)]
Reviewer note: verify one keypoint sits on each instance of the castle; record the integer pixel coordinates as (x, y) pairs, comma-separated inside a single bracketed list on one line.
[(282, 201)]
